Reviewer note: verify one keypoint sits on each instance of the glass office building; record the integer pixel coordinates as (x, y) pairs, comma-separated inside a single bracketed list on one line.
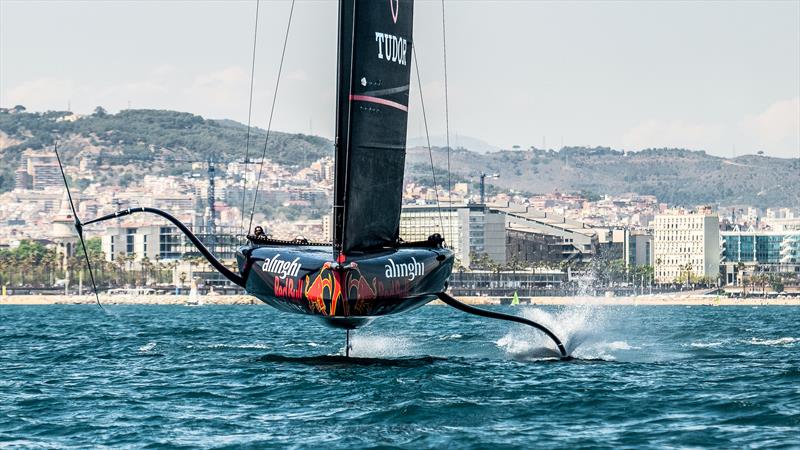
[(762, 247)]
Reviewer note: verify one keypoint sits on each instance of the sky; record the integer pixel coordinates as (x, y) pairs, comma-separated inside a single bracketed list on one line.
[(718, 76)]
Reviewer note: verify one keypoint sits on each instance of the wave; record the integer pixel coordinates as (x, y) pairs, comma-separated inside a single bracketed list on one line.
[(451, 337), (773, 342), (706, 344), (256, 346)]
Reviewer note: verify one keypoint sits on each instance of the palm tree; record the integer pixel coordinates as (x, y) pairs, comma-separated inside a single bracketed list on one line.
[(158, 267), (4, 263), (689, 270), (659, 261), (740, 270), (147, 267), (28, 265), (119, 264)]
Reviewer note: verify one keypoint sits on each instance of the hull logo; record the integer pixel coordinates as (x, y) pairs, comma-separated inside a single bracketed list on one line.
[(279, 267), (395, 7), (410, 270)]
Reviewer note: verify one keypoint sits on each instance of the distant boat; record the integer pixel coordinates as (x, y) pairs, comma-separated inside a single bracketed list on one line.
[(194, 297)]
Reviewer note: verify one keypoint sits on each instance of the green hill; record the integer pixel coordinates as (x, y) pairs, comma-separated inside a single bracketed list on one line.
[(150, 141), (147, 139), (675, 176)]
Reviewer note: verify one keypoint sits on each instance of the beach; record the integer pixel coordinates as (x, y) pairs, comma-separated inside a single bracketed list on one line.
[(674, 299)]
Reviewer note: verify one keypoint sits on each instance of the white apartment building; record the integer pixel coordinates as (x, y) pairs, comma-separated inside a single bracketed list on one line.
[(467, 229), (686, 242), (156, 242)]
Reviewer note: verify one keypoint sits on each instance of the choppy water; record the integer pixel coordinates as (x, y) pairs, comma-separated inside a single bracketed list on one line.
[(231, 376)]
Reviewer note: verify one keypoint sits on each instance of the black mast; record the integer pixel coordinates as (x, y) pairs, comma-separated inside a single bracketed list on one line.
[(344, 68), (373, 74)]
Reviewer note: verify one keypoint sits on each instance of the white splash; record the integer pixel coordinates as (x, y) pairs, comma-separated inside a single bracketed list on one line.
[(578, 326), (620, 345), (451, 337), (376, 346), (706, 344), (147, 347)]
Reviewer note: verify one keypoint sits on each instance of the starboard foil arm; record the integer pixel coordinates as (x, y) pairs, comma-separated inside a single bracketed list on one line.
[(496, 315), (217, 264)]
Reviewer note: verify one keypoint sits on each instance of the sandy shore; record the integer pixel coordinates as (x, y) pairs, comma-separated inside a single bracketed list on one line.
[(665, 299)]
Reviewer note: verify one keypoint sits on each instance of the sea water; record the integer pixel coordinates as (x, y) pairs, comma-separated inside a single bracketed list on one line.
[(249, 376)]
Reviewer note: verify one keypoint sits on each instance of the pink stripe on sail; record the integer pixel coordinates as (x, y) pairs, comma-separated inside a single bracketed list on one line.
[(380, 101)]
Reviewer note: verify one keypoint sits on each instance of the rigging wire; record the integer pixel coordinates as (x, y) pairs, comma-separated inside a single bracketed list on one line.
[(78, 227), (271, 113), (428, 136), (249, 114), (447, 126)]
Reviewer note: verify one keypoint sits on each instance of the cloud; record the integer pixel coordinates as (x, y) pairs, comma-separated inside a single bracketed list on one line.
[(163, 70), (226, 85), (132, 89), (672, 133), (43, 93), (298, 75), (778, 124), (213, 93)]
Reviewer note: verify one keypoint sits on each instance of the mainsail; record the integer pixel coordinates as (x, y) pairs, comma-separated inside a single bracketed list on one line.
[(374, 69)]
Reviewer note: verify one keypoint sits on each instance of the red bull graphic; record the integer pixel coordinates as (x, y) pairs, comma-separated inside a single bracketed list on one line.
[(370, 285), (290, 288)]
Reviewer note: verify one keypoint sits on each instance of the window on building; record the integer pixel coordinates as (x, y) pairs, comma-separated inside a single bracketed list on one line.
[(130, 235)]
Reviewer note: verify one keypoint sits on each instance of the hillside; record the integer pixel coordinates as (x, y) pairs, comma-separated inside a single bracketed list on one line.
[(675, 176), (150, 141), (144, 140)]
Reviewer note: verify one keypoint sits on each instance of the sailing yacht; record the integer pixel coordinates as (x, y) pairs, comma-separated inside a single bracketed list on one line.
[(366, 271)]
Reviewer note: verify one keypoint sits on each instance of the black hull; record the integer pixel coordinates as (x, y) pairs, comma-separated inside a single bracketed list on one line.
[(302, 279)]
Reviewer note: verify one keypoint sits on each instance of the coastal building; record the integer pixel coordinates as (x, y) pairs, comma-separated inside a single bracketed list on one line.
[(686, 243), (577, 241), (38, 170), (139, 241), (525, 245), (788, 223), (639, 248), (759, 250), (468, 230), (63, 230), (501, 232), (22, 179), (632, 246), (45, 176), (612, 243), (135, 246)]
